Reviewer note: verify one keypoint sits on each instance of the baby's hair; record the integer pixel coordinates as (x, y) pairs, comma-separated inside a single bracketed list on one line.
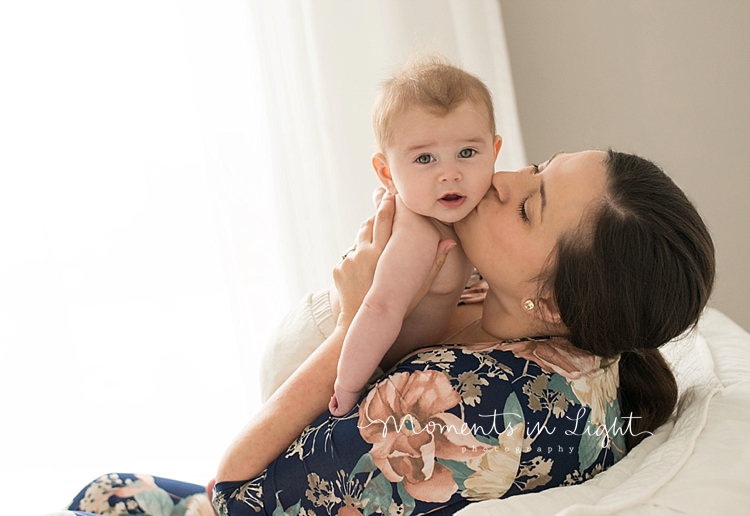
[(430, 83)]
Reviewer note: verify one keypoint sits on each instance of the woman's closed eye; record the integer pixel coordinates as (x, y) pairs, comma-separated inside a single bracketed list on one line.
[(522, 205), (424, 159), (522, 210), (467, 153)]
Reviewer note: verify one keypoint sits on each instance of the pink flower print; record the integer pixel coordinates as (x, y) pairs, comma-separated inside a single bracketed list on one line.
[(404, 418), (146, 483)]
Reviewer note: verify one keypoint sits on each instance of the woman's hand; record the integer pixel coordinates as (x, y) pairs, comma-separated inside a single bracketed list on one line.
[(353, 274), (444, 247)]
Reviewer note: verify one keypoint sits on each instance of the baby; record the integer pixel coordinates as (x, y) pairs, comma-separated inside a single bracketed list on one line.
[(435, 130)]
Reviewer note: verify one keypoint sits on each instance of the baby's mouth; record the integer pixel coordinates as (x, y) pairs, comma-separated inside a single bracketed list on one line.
[(452, 200)]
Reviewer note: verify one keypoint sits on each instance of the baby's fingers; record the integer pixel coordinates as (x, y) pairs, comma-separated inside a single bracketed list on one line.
[(333, 405)]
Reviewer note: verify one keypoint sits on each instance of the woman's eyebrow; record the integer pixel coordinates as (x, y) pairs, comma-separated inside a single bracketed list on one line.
[(542, 190), (556, 154)]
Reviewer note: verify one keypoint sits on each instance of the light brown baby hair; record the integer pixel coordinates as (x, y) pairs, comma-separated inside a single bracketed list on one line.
[(430, 83)]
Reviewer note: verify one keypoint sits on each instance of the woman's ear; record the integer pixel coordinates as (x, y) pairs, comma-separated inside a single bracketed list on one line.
[(380, 165), (498, 144), (546, 310)]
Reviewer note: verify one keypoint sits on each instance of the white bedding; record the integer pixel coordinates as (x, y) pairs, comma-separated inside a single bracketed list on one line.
[(698, 463)]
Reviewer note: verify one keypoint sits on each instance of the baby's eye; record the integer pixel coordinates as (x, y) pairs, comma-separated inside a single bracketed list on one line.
[(424, 159), (466, 153)]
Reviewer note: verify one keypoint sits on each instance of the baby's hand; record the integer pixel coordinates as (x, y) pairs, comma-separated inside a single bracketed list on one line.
[(342, 401)]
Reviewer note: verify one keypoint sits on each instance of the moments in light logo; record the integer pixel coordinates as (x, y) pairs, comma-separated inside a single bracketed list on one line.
[(580, 427)]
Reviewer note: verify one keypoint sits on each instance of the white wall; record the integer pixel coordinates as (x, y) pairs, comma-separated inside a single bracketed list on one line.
[(666, 79)]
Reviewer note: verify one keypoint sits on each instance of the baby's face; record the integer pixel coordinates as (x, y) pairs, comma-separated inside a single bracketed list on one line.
[(442, 166)]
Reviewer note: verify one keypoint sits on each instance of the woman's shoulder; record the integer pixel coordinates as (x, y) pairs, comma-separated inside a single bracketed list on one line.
[(589, 379), (552, 354), (484, 363), (556, 355)]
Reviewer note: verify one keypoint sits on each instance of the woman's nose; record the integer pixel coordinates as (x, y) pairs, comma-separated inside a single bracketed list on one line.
[(503, 183), (509, 184)]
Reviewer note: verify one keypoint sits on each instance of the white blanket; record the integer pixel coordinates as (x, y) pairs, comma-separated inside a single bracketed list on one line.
[(698, 463)]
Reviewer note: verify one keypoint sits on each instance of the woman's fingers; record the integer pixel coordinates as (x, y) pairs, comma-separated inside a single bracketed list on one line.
[(383, 225), (353, 275), (210, 492), (377, 229), (444, 247), (377, 194), (364, 235)]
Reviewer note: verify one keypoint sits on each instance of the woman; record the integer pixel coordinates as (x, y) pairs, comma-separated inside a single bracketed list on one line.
[(593, 260)]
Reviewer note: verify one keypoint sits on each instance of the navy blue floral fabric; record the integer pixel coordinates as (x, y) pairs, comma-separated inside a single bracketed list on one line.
[(126, 493), (451, 425)]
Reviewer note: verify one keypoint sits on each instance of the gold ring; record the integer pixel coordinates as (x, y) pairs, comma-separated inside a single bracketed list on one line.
[(346, 253)]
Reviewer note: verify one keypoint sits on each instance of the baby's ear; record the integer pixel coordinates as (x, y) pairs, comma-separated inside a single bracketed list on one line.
[(498, 144), (380, 165)]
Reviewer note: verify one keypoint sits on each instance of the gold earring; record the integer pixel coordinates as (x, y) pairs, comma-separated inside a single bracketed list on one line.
[(528, 305)]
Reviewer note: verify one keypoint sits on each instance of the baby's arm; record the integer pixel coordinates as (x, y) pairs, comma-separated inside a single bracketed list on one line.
[(401, 271)]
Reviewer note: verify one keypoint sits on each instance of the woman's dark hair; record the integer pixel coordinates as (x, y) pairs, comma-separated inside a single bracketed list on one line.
[(636, 277)]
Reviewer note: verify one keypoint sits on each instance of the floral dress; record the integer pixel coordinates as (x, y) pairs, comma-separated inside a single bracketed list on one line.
[(449, 426), (124, 493)]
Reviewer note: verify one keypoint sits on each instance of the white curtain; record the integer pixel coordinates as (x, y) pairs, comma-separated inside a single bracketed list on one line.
[(139, 257), (173, 175), (322, 63)]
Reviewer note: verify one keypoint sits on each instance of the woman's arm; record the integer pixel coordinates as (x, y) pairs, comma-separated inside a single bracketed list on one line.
[(302, 398), (305, 395)]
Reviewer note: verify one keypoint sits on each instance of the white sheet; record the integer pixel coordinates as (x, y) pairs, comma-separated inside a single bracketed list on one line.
[(698, 463)]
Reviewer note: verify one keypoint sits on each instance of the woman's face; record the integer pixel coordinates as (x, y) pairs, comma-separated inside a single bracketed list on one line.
[(515, 227)]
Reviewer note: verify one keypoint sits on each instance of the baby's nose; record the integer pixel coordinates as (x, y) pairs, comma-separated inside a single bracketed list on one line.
[(450, 174)]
